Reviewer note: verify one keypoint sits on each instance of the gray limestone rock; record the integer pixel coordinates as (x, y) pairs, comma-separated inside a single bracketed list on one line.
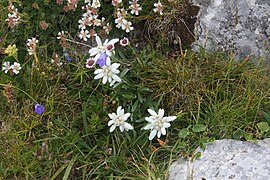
[(224, 160), (241, 27)]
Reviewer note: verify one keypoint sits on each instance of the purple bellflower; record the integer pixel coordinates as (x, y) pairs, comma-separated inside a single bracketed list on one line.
[(39, 109), (101, 61)]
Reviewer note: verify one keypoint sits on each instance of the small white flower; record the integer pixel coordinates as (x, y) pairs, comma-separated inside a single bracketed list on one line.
[(119, 22), (119, 120), (116, 2), (107, 46), (158, 8), (95, 4), (31, 43), (61, 35), (157, 123), (6, 66), (127, 26), (84, 35), (16, 67), (135, 7), (108, 73)]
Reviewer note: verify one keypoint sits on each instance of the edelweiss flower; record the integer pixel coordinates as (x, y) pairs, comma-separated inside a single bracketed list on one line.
[(108, 72), (157, 123), (119, 120), (108, 47)]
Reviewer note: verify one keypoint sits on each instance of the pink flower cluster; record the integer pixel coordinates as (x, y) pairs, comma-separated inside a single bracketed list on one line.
[(13, 16)]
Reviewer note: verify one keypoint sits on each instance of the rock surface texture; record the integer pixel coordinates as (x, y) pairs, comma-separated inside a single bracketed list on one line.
[(238, 26), (226, 159)]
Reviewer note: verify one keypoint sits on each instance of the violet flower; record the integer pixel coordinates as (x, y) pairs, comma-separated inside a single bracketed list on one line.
[(101, 61), (39, 109)]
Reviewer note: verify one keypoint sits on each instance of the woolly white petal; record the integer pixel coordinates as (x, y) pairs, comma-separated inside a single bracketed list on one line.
[(153, 113), (111, 115), (149, 119), (118, 110), (169, 118), (99, 76), (98, 40), (104, 80), (152, 134), (122, 128), (110, 122), (98, 71), (163, 130), (125, 116), (161, 112), (166, 125), (158, 134), (93, 51), (122, 112), (105, 42), (115, 65), (148, 126), (116, 78), (128, 126), (112, 128)]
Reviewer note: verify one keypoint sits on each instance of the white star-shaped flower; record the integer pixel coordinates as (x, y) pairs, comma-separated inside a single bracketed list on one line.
[(108, 73), (157, 123), (119, 120), (107, 46)]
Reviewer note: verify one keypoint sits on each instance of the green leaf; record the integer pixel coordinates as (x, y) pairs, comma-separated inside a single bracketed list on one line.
[(129, 96), (69, 169), (266, 116), (263, 126), (197, 155), (183, 133), (198, 128)]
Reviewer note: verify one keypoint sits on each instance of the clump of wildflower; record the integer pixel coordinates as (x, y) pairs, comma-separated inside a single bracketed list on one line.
[(11, 50), (12, 69), (108, 73), (158, 8), (31, 45), (157, 123), (119, 120), (13, 16), (39, 109), (124, 41)]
